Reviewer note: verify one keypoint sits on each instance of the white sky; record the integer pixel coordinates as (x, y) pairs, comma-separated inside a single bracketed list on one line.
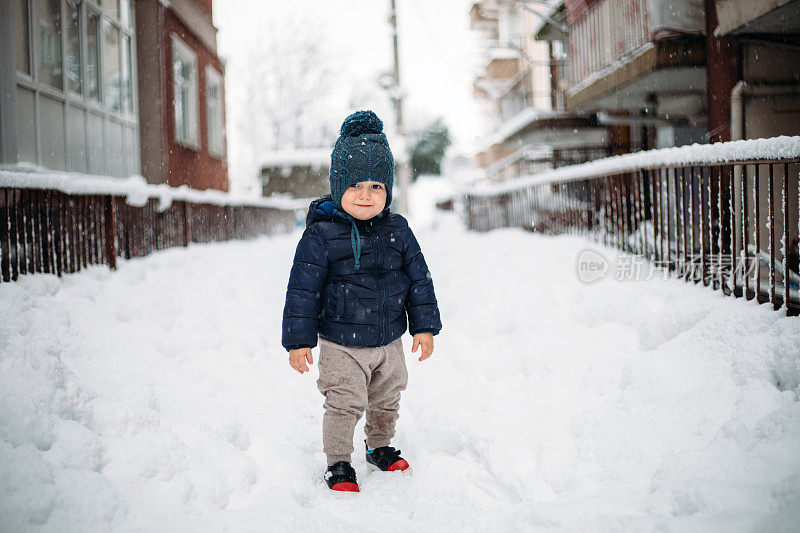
[(436, 50)]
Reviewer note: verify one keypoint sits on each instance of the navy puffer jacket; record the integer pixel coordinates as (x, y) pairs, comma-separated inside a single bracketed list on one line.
[(364, 306)]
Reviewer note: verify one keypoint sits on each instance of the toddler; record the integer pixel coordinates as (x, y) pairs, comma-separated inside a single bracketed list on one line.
[(357, 282)]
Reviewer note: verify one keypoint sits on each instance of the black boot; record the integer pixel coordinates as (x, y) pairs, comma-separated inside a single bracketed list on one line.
[(387, 459), (341, 477)]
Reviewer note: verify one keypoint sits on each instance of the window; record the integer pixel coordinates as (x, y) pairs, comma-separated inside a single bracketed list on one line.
[(112, 94), (126, 12), (185, 99), (73, 58), (48, 21), (22, 36), (111, 8), (127, 88), (92, 57), (214, 107)]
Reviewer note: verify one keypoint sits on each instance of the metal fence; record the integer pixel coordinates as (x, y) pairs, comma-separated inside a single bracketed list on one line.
[(48, 231), (730, 225)]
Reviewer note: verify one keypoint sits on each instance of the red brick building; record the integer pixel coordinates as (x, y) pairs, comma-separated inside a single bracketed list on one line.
[(181, 94)]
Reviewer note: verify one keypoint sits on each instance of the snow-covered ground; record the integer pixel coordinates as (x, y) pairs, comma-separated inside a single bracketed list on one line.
[(158, 398)]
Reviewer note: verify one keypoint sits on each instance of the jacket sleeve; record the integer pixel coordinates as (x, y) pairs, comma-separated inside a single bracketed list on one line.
[(303, 294), (421, 305)]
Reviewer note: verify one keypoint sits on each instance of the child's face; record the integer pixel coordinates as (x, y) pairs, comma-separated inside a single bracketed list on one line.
[(364, 200)]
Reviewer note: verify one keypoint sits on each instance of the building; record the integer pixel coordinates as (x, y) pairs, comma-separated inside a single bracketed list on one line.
[(658, 74), (88, 87), (181, 94), (68, 86), (666, 73), (639, 65), (673, 72), (761, 40), (519, 85), (301, 173)]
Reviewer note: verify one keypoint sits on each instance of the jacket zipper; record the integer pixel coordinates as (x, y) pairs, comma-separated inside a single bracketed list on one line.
[(382, 282)]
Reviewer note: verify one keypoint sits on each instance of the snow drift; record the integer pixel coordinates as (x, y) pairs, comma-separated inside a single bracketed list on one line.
[(158, 398)]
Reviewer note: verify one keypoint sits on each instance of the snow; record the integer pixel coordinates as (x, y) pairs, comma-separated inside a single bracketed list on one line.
[(498, 50), (158, 397), (546, 9), (520, 120), (773, 148), (530, 152), (423, 195), (135, 189)]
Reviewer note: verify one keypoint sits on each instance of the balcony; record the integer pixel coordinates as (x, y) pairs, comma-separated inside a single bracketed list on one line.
[(512, 105), (642, 47), (503, 60), (779, 17), (483, 16)]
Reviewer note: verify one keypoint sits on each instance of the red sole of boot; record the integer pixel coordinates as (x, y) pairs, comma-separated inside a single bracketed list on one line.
[(401, 465), (345, 486)]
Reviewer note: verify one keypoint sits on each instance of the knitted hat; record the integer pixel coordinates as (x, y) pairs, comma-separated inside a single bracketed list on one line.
[(361, 153)]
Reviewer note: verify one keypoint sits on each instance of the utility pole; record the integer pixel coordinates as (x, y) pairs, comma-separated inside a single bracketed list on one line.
[(397, 99)]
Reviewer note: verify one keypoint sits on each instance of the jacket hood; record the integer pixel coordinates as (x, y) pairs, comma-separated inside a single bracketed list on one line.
[(324, 208)]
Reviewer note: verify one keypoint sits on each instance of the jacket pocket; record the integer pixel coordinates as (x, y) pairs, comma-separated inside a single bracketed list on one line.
[(333, 303), (338, 296)]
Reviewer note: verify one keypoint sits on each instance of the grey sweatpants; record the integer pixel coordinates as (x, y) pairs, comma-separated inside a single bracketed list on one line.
[(355, 378)]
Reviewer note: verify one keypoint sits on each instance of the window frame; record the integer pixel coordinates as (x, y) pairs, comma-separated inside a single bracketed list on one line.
[(29, 75), (37, 48), (107, 24), (179, 47), (80, 7), (90, 10), (213, 76)]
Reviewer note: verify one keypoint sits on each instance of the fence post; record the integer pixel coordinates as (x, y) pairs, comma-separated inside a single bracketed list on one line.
[(111, 232), (187, 229), (44, 225), (5, 238)]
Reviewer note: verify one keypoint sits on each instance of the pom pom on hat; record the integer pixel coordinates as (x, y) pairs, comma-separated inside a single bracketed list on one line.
[(361, 122)]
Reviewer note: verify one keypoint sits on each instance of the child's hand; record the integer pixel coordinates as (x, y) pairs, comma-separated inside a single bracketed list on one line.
[(426, 341), (298, 358)]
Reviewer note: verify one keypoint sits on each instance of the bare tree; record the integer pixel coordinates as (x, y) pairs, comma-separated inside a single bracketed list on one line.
[(285, 93)]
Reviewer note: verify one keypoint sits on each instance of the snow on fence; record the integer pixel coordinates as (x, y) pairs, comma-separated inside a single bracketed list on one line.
[(61, 223), (725, 215)]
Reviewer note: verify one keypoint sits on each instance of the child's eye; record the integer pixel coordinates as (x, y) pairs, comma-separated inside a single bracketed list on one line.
[(377, 186)]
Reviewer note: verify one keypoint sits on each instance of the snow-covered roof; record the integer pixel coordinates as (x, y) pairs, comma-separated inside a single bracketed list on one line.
[(302, 157), (547, 10), (529, 152), (496, 51), (774, 148), (135, 189), (522, 119)]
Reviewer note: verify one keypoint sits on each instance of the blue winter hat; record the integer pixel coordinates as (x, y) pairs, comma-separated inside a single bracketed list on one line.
[(361, 153)]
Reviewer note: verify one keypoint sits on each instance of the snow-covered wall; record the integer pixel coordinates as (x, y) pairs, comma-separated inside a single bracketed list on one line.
[(135, 189)]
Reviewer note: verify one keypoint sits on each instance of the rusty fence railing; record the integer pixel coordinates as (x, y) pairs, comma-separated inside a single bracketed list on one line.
[(724, 215), (49, 231)]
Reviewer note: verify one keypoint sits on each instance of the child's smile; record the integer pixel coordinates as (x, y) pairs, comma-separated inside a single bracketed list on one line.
[(364, 200)]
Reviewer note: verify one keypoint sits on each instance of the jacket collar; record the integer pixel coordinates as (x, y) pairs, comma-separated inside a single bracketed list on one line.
[(324, 208)]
